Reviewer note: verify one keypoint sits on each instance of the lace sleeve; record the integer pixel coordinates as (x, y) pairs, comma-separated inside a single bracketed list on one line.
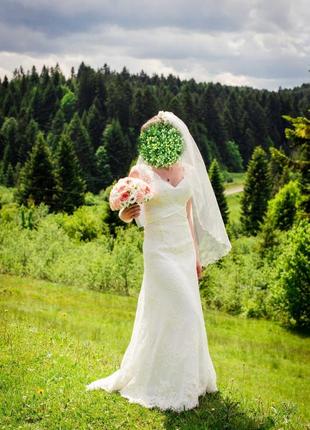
[(142, 172)]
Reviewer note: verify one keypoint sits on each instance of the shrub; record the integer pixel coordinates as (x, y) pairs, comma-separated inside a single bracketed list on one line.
[(86, 223), (281, 215), (239, 284), (48, 252), (289, 296), (283, 207)]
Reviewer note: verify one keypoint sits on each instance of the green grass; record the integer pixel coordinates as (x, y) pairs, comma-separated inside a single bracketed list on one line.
[(55, 339), (233, 202), (238, 179)]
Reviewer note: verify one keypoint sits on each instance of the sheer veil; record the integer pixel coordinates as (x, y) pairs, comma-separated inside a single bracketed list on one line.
[(211, 235)]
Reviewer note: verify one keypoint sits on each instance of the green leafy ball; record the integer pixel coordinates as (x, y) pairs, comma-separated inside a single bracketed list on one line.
[(161, 144)]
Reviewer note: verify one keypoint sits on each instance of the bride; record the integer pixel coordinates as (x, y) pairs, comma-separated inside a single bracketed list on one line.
[(167, 362)]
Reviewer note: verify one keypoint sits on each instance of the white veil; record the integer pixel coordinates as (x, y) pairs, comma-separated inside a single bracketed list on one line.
[(211, 235)]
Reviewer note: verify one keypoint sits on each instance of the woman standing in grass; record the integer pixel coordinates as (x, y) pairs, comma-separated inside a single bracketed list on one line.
[(167, 362)]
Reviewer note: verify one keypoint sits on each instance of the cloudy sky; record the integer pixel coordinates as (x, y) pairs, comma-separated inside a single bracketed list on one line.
[(261, 43)]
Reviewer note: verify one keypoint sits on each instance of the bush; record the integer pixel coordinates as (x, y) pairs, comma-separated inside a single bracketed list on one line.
[(48, 252), (85, 224), (239, 284), (281, 215), (289, 296), (283, 207), (6, 195)]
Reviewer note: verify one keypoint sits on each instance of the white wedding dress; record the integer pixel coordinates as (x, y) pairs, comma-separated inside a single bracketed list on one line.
[(167, 362)]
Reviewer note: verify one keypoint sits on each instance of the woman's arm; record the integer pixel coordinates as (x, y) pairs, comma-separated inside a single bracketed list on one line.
[(189, 207)]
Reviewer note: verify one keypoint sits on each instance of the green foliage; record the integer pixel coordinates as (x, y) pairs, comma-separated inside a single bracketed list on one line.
[(9, 145), (84, 151), (6, 195), (283, 207), (234, 160), (300, 130), (299, 137), (278, 169), (28, 139), (289, 297), (227, 122), (56, 131), (239, 284), (103, 166), (127, 251), (218, 187), (9, 213), (85, 224), (70, 184), (117, 147), (37, 181), (29, 217), (68, 104), (95, 123), (256, 192), (74, 249)]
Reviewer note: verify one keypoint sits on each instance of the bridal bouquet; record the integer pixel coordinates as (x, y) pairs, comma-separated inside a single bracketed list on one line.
[(130, 190)]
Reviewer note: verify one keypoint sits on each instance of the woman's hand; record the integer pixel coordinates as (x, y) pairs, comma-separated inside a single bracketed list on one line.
[(198, 268), (127, 214)]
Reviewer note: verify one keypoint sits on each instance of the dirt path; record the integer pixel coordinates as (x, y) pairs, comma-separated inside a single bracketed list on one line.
[(233, 190)]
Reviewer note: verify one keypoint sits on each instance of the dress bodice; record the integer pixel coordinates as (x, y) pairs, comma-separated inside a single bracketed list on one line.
[(168, 200)]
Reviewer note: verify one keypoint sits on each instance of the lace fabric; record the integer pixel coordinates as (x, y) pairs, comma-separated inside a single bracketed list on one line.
[(167, 362), (212, 239)]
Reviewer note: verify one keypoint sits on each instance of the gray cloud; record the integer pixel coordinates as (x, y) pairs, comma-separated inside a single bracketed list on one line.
[(242, 42)]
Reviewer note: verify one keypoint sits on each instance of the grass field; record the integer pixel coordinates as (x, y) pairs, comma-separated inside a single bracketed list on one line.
[(233, 202), (55, 339)]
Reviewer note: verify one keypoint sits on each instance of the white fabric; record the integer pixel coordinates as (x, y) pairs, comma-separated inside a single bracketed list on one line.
[(211, 235), (167, 362)]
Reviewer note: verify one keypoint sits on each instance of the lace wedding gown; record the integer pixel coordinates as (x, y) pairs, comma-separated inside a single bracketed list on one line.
[(167, 362)]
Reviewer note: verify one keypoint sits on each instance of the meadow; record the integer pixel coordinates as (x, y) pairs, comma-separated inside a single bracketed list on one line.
[(56, 338)]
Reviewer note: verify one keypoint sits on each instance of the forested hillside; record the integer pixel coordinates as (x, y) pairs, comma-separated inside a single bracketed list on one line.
[(89, 123)]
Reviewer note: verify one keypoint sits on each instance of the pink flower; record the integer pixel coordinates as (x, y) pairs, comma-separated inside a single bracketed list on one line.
[(124, 196), (128, 191)]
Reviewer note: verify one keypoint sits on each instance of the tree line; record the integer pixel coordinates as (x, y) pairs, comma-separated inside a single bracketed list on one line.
[(60, 137)]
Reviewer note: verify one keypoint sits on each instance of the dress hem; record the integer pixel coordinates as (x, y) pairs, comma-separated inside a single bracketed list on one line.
[(151, 405)]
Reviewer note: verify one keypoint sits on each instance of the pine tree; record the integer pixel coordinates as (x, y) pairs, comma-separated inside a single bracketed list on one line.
[(9, 179), (103, 166), (49, 105), (94, 124), (68, 105), (57, 128), (298, 135), (84, 151), (118, 148), (28, 141), (144, 106), (9, 133), (37, 180), (86, 87), (256, 192), (234, 161), (35, 106), (70, 184), (218, 187)]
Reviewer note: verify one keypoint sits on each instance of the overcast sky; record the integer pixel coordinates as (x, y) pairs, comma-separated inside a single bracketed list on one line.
[(261, 43)]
